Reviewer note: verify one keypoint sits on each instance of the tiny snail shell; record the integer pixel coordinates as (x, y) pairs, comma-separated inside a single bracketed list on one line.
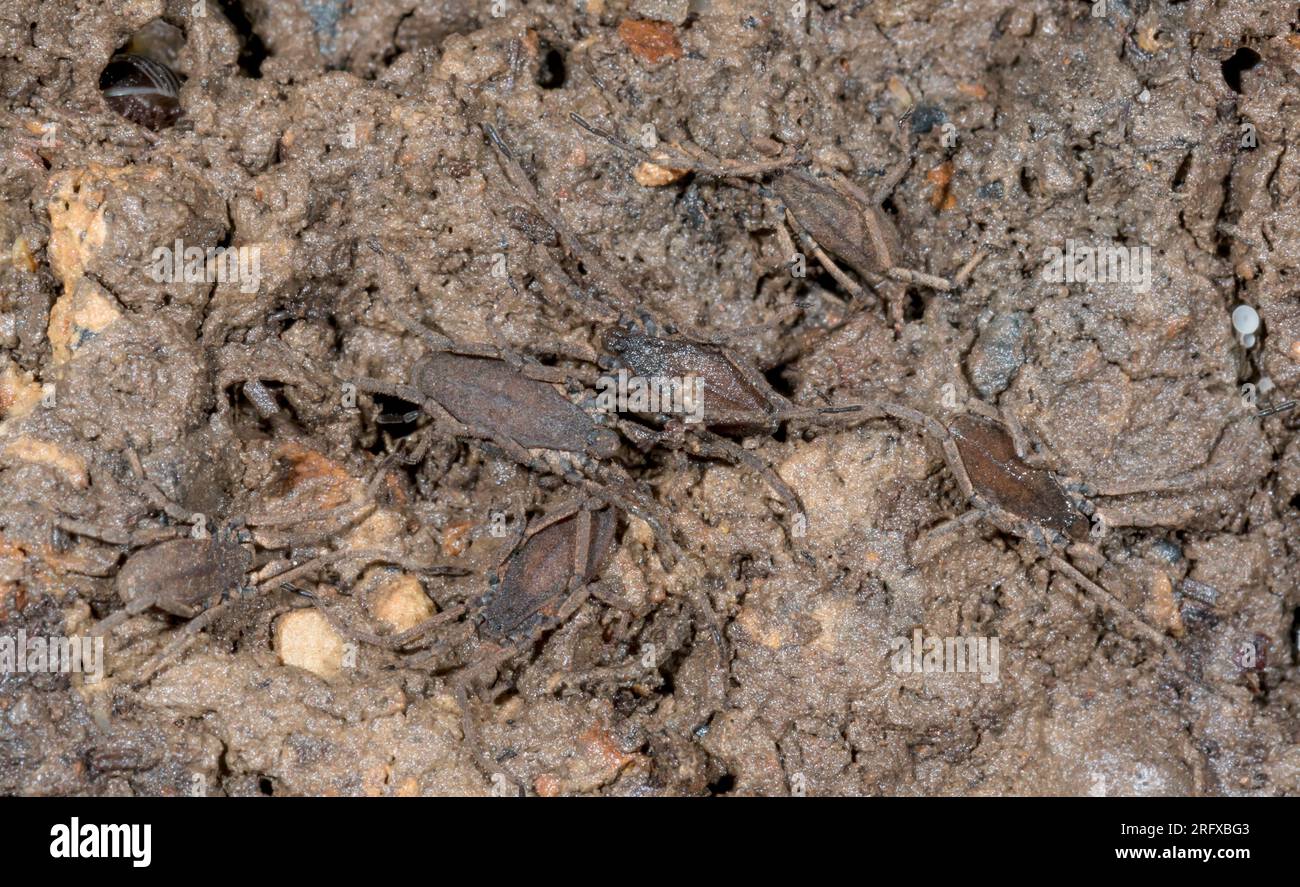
[(142, 90)]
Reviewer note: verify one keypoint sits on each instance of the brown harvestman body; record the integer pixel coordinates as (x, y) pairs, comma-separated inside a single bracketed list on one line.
[(483, 393), (988, 461), (738, 401), (984, 455), (197, 575), (479, 392), (826, 211), (546, 573)]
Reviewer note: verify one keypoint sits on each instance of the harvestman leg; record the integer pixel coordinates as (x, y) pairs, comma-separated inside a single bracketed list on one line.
[(189, 633), (520, 454), (1106, 600)]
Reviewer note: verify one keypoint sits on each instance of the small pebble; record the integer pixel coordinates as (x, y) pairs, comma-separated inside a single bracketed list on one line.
[(305, 639), (650, 40), (652, 175), (1162, 606), (998, 353), (1167, 550), (1021, 22), (674, 11), (20, 712), (926, 118), (400, 603)]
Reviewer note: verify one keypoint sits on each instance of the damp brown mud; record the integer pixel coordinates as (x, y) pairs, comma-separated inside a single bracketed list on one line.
[(342, 145)]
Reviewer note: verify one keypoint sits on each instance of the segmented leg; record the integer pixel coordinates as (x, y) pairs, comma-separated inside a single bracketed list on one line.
[(962, 521), (187, 635), (389, 642), (390, 389), (1112, 604), (856, 292), (1004, 416), (488, 767), (618, 490), (529, 368), (618, 295), (155, 495), (133, 539), (692, 157), (712, 446), (110, 622)]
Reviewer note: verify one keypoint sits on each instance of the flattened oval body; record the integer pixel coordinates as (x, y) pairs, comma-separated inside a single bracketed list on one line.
[(837, 223), (536, 576), (998, 475), (726, 388), (180, 574), (487, 393)]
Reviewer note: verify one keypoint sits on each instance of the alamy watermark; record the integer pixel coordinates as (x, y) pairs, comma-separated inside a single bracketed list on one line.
[(1084, 263), (213, 264), (54, 655), (626, 393), (78, 840), (963, 654)]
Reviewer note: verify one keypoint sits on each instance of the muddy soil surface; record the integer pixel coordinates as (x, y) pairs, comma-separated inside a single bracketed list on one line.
[(337, 150)]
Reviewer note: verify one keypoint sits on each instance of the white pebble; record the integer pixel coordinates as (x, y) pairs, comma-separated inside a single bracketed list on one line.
[(1245, 320), (305, 639)]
